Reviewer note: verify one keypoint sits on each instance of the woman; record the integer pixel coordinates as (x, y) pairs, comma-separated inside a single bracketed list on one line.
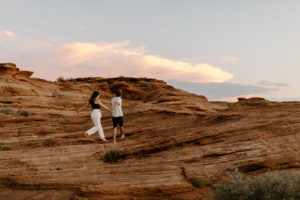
[(96, 115)]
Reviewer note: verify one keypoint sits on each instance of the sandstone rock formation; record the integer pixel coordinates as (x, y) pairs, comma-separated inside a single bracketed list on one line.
[(172, 136)]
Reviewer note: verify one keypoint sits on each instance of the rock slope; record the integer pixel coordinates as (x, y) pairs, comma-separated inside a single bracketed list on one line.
[(172, 136)]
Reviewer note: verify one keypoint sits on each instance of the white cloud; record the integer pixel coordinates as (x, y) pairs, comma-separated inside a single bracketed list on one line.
[(105, 59), (7, 35), (78, 26), (115, 59)]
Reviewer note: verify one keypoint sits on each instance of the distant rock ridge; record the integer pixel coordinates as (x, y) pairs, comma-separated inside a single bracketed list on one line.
[(12, 70), (254, 101), (14, 82)]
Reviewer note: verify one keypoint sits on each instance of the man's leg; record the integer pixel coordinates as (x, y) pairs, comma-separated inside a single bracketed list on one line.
[(122, 132), (121, 128), (115, 134), (115, 125)]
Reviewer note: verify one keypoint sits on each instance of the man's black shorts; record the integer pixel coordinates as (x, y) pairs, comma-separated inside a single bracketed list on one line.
[(117, 120)]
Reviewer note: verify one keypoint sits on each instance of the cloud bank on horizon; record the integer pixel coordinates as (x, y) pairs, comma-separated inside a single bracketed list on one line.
[(104, 59), (82, 59), (52, 59)]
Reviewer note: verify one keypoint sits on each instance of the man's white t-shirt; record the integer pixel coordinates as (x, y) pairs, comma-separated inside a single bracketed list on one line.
[(118, 111)]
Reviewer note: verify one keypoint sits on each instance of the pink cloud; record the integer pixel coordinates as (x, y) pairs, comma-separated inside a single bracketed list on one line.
[(7, 35), (115, 59)]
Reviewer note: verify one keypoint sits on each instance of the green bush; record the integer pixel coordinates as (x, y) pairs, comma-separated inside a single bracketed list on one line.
[(60, 79), (197, 182), (7, 111), (147, 85), (105, 83), (49, 142), (113, 155), (5, 147), (139, 98), (24, 113), (267, 186), (56, 116), (232, 106), (2, 186)]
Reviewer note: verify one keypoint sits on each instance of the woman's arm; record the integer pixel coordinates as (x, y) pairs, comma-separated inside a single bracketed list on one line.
[(85, 105), (104, 106)]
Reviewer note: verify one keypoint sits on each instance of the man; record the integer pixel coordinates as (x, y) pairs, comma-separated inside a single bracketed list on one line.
[(117, 115)]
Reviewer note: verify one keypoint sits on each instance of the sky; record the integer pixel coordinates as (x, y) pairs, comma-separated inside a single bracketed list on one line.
[(220, 49)]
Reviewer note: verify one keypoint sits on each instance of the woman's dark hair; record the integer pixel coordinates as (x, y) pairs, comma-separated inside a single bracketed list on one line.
[(94, 95), (118, 93)]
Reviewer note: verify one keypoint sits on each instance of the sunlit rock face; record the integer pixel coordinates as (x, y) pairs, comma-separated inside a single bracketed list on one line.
[(172, 136)]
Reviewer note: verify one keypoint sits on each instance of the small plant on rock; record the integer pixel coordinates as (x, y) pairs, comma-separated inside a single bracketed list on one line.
[(113, 155), (104, 83), (147, 85), (232, 106), (2, 186), (197, 182), (60, 79), (266, 186), (24, 113), (5, 148), (139, 98), (7, 111), (49, 142)]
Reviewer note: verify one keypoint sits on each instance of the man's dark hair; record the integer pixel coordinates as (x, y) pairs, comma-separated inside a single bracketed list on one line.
[(118, 93)]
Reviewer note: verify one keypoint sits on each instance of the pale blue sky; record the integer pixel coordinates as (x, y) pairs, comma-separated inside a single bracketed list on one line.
[(256, 41)]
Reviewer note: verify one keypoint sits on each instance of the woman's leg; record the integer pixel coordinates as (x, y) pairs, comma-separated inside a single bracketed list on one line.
[(95, 128), (92, 131), (99, 126)]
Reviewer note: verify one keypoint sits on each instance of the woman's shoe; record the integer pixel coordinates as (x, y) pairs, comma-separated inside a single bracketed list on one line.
[(104, 140)]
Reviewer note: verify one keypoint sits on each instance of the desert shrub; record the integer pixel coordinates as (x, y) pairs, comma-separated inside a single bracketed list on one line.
[(113, 155), (5, 147), (7, 111), (2, 186), (267, 186), (60, 79), (24, 113), (232, 106), (49, 142), (105, 83), (139, 98), (56, 116), (197, 182), (147, 85)]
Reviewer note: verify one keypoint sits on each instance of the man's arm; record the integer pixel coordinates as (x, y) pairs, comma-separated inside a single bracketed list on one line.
[(104, 106)]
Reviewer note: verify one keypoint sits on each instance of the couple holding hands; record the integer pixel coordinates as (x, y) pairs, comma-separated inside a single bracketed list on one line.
[(117, 115)]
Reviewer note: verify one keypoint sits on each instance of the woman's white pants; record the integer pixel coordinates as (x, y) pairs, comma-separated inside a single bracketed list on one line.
[(96, 117)]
